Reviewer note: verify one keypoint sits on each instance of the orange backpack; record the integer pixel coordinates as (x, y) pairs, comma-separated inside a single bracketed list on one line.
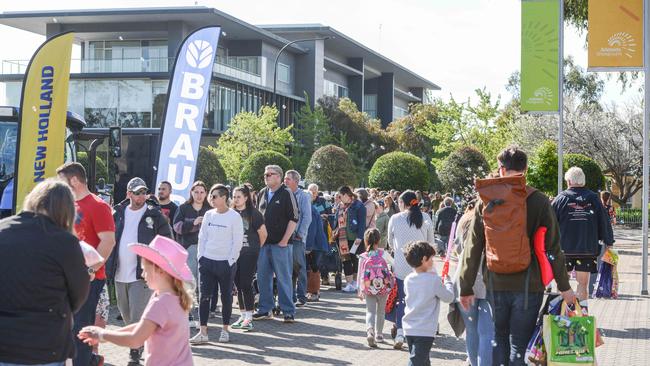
[(507, 245)]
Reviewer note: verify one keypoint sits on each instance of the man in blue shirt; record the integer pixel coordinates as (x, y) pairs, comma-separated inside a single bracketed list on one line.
[(291, 180)]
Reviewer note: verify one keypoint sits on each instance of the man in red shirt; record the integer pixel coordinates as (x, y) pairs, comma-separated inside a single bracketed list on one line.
[(93, 224)]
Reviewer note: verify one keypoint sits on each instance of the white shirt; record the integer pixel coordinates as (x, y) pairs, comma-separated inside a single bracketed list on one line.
[(128, 262), (221, 236), (401, 233), (423, 294)]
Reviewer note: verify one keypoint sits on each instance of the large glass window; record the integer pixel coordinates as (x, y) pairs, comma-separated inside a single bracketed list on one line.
[(399, 112), (135, 103), (101, 99), (159, 91), (335, 90), (126, 56), (370, 105)]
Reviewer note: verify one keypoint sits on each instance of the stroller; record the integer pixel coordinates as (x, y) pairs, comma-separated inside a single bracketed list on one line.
[(331, 262)]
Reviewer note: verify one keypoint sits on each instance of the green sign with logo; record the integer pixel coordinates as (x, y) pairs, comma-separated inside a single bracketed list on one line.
[(540, 42)]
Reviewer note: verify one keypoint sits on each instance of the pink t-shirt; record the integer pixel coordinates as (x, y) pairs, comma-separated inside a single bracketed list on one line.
[(169, 344)]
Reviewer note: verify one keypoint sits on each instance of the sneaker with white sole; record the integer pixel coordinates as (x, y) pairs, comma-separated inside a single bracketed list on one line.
[(371, 338), (399, 341), (247, 325), (238, 323), (199, 338), (379, 338), (262, 316), (349, 288), (195, 324), (224, 337)]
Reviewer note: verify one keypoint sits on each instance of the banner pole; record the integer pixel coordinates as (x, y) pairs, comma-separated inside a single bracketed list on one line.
[(560, 134), (646, 135)]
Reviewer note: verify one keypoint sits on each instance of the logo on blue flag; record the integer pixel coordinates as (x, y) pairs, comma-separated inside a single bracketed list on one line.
[(187, 98)]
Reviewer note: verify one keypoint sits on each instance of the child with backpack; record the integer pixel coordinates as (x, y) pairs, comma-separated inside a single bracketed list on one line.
[(424, 289), (375, 283)]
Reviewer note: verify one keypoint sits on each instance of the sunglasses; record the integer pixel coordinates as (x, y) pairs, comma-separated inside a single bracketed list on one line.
[(139, 193), (214, 196), (269, 175)]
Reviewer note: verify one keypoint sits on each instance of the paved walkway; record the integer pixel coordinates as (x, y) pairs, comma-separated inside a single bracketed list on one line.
[(332, 332)]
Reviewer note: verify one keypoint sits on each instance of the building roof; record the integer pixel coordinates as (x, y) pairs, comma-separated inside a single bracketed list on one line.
[(351, 48), (194, 16)]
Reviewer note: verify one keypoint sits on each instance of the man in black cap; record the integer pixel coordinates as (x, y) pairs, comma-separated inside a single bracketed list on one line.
[(137, 220)]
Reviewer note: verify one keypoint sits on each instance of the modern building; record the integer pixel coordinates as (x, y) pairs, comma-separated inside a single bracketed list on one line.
[(121, 68)]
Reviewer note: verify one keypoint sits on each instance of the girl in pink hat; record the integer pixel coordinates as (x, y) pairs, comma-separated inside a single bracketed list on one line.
[(164, 327)]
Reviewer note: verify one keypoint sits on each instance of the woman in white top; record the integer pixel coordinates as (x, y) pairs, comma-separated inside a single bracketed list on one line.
[(407, 226), (220, 241)]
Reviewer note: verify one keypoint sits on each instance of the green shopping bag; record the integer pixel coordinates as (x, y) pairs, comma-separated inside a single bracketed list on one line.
[(570, 338)]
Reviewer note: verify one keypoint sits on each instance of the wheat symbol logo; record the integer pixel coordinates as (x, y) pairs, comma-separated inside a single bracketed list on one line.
[(542, 95), (199, 54), (624, 42)]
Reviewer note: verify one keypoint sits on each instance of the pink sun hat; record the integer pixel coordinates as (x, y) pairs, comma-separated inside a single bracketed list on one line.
[(167, 254)]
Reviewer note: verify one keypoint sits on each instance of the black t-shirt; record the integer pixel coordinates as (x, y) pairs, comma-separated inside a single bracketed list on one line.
[(251, 243), (169, 210)]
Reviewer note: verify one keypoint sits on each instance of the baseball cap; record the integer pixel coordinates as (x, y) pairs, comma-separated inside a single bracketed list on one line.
[(136, 184)]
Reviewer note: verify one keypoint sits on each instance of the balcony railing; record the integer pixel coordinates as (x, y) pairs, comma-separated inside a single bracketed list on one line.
[(247, 68)]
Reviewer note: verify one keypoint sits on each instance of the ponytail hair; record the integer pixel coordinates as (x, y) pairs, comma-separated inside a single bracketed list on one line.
[(410, 201), (184, 294)]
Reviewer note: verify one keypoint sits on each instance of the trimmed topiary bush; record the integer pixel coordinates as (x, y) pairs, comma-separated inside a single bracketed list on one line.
[(595, 180), (399, 170), (208, 168), (253, 168), (461, 168), (542, 169), (101, 171), (330, 167)]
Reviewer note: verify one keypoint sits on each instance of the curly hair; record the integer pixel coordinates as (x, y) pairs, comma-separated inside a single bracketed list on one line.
[(415, 252)]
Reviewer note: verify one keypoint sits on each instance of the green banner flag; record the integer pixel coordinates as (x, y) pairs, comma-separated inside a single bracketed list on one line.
[(540, 27)]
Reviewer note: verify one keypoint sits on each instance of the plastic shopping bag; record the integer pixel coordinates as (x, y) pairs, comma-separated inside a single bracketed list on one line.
[(570, 338)]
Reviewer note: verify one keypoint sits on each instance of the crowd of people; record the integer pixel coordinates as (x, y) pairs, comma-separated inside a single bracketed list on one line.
[(169, 265)]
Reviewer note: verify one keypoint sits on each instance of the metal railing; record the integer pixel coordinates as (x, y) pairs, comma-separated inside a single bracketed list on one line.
[(246, 68)]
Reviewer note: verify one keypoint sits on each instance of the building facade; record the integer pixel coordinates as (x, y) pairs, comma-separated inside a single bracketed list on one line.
[(123, 60)]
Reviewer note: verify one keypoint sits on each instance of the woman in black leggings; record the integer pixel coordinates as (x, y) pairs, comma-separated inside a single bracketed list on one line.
[(254, 234)]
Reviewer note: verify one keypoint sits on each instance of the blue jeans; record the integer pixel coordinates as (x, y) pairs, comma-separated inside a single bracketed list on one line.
[(479, 327), (400, 303), (513, 325), (419, 348), (211, 273), (277, 260), (299, 271), (85, 317), (40, 364)]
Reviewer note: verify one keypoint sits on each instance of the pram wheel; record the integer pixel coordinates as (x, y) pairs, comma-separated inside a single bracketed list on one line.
[(338, 281)]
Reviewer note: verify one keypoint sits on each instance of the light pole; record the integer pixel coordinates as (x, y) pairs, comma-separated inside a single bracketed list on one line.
[(275, 65)]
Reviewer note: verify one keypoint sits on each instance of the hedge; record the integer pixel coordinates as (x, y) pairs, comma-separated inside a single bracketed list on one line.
[(253, 168), (208, 168), (330, 167), (400, 171)]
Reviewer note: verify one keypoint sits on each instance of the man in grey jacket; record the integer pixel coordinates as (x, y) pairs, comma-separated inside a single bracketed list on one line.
[(291, 180)]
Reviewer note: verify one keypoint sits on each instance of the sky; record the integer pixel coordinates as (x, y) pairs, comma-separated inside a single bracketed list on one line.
[(460, 45)]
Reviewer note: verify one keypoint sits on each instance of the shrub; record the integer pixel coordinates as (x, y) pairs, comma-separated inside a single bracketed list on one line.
[(208, 167), (330, 167), (253, 168), (461, 168), (542, 171), (101, 171), (595, 180), (399, 170)]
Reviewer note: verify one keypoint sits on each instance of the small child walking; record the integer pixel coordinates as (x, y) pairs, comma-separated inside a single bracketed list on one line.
[(424, 289), (164, 326), (375, 282)]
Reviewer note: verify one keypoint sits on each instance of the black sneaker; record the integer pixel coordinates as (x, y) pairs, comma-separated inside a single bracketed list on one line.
[(289, 319), (300, 303), (134, 357), (262, 316)]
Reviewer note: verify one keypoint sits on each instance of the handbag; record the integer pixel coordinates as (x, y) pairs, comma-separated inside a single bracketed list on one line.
[(570, 337)]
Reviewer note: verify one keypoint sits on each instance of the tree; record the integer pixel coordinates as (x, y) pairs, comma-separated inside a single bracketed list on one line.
[(594, 178), (311, 131), (409, 133), (248, 133), (208, 167), (542, 169), (461, 168), (253, 168), (331, 167), (399, 170)]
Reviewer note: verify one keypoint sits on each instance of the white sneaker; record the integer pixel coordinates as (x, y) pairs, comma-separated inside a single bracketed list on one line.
[(199, 338), (399, 341), (355, 285), (224, 337), (349, 288)]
